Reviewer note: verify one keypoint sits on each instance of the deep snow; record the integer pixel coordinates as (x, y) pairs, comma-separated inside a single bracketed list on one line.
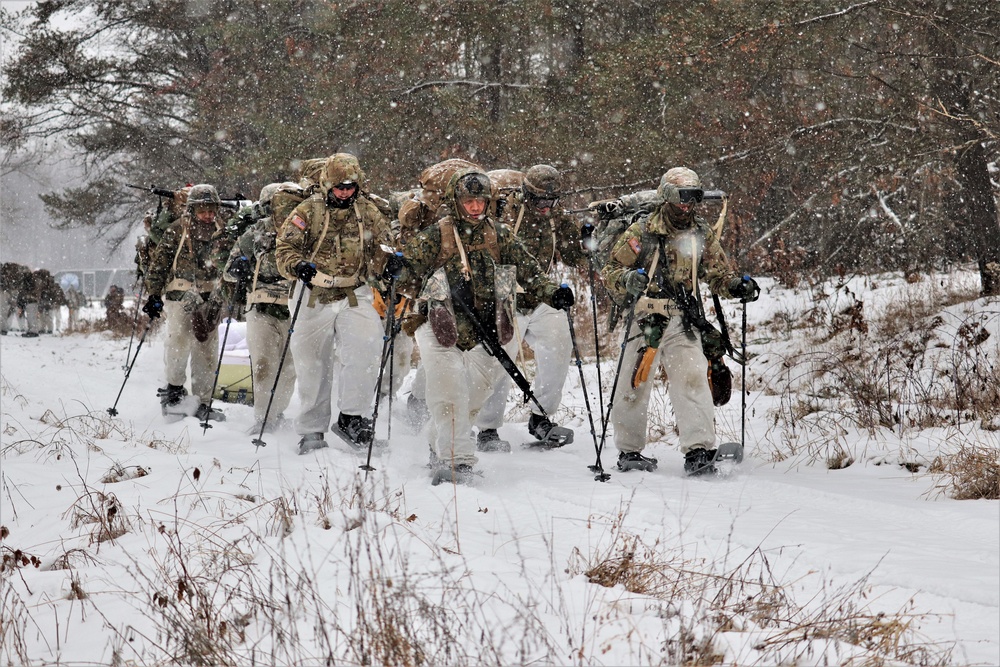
[(502, 557)]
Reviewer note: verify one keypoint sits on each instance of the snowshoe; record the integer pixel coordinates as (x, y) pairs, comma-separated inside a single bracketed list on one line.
[(29, 334), (416, 412), (272, 425), (547, 434), (311, 442), (460, 474), (729, 451), (357, 432), (488, 440), (635, 461), (205, 413), (699, 462), (172, 402)]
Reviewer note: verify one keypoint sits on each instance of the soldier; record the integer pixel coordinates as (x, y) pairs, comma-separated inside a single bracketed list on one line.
[(550, 236), (74, 302), (50, 302), (415, 214), (10, 283), (676, 249), (252, 278), (27, 301), (182, 270), (467, 255), (330, 243)]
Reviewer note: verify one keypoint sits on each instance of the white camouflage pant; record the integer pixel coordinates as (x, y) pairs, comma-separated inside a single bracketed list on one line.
[(266, 337), (8, 304), (330, 340), (182, 347), (456, 385), (690, 396), (546, 332)]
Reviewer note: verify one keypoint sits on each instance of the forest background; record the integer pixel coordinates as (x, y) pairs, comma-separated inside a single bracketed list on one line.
[(852, 136)]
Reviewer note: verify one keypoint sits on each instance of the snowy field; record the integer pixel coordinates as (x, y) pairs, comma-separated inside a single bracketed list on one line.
[(131, 541)]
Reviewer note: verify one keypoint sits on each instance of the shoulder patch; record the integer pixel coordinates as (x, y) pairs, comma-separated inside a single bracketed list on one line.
[(635, 245), (298, 222)]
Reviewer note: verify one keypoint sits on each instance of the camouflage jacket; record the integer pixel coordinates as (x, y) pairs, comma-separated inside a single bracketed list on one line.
[(423, 256), (185, 259), (550, 238), (343, 243), (677, 252), (267, 285)]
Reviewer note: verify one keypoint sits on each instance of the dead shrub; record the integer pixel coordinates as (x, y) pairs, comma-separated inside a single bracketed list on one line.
[(104, 513), (971, 473)]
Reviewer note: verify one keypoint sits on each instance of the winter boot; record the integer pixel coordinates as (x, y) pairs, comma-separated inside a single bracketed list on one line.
[(460, 474), (171, 400), (488, 440), (635, 461), (700, 462), (310, 442), (547, 433), (205, 413), (416, 412), (29, 334), (355, 429)]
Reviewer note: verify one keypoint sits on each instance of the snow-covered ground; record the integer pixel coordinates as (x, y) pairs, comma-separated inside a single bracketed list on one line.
[(128, 540)]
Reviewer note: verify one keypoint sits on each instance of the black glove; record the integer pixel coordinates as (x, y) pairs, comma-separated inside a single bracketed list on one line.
[(635, 282), (611, 209), (240, 269), (393, 266), (745, 289), (563, 298), (586, 231), (305, 271), (154, 306)]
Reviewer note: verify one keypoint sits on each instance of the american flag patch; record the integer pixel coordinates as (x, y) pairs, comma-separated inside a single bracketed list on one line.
[(635, 245), (299, 222)]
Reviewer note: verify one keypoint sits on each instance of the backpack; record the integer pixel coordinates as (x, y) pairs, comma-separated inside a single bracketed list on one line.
[(284, 200), (434, 180)]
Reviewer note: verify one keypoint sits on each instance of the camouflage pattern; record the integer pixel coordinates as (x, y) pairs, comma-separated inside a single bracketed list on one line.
[(340, 252), (543, 180), (535, 232), (310, 172), (50, 295), (341, 168), (258, 245), (414, 215), (636, 247), (196, 246), (678, 177), (424, 255)]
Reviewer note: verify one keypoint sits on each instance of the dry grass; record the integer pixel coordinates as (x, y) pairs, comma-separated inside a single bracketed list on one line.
[(703, 599), (972, 473)]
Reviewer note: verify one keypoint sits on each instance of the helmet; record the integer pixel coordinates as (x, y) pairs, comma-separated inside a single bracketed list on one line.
[(267, 192), (680, 185), (542, 182), (341, 168), (203, 195), (468, 184)]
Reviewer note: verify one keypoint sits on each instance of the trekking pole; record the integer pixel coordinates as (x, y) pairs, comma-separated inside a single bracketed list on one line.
[(113, 410), (601, 476), (597, 467), (743, 381), (135, 321), (597, 341), (388, 339), (259, 440), (218, 367)]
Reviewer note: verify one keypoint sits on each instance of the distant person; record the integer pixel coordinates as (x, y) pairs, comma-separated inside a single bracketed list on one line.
[(74, 302), (10, 287), (27, 301), (114, 303)]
